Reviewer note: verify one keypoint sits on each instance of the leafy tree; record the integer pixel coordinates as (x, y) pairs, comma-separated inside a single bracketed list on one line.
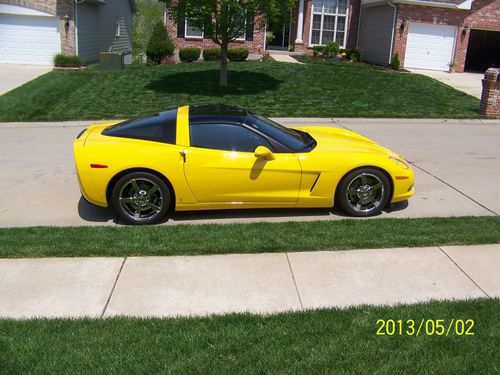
[(149, 13), (226, 20), (160, 45)]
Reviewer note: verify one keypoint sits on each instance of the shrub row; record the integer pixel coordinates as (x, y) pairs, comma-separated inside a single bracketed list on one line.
[(332, 49), (61, 60), (353, 54), (190, 54)]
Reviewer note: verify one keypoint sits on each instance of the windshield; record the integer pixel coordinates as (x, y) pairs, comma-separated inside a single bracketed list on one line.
[(294, 140)]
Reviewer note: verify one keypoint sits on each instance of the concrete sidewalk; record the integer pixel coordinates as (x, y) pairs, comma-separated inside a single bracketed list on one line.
[(256, 283)]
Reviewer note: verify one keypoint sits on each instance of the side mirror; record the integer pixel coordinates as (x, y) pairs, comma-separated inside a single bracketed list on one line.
[(263, 152)]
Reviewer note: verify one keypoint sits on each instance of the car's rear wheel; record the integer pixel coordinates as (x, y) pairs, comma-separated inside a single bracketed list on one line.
[(364, 192), (140, 198)]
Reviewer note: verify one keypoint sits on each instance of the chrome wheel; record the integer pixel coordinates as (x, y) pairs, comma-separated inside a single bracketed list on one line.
[(363, 192), (141, 199)]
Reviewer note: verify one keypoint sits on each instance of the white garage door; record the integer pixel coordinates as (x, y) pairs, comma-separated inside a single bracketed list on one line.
[(28, 39), (430, 46)]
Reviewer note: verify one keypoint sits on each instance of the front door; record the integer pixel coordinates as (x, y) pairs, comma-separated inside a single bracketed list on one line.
[(281, 34), (220, 166)]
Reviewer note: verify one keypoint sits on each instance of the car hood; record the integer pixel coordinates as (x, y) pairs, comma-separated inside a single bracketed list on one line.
[(341, 140)]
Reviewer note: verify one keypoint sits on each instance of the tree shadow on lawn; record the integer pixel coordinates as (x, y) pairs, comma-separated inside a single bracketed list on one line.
[(206, 83)]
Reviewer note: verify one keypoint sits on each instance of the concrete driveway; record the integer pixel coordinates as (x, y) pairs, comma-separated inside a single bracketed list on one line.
[(14, 75), (470, 83), (456, 164)]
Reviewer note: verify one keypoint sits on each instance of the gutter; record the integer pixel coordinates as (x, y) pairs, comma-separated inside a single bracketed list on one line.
[(467, 4)]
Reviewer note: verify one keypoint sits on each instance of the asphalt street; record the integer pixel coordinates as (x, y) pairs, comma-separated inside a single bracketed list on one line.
[(456, 163)]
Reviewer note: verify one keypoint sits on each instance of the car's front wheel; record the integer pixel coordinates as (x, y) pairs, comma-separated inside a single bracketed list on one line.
[(140, 198), (363, 192)]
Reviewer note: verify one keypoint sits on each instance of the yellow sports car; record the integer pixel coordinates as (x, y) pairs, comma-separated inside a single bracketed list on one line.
[(216, 157)]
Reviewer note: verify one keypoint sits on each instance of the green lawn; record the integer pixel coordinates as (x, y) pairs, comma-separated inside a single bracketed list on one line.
[(315, 342), (272, 89), (247, 238)]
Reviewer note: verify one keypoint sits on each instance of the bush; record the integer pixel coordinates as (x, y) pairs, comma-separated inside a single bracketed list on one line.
[(159, 45), (355, 55), (395, 62), (318, 50), (189, 54), (149, 12), (211, 54), (269, 37), (61, 60), (237, 54), (331, 49)]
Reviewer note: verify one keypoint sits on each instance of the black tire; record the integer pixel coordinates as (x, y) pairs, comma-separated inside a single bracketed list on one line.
[(363, 192), (141, 198)]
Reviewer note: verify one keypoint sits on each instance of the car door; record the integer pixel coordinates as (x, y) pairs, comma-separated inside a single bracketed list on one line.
[(220, 166)]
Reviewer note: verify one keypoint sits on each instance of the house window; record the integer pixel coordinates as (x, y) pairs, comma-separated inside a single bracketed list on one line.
[(117, 28), (243, 34), (193, 31), (329, 22)]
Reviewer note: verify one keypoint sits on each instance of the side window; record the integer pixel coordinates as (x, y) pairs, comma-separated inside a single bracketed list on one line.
[(225, 137), (159, 128)]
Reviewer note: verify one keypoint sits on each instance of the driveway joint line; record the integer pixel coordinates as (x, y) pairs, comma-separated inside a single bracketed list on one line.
[(113, 288), (465, 273), (454, 188), (294, 281)]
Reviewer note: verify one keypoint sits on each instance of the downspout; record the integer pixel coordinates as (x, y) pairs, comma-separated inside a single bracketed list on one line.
[(76, 24), (76, 28), (359, 24), (393, 30)]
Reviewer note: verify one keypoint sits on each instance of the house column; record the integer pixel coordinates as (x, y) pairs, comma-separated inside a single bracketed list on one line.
[(300, 23)]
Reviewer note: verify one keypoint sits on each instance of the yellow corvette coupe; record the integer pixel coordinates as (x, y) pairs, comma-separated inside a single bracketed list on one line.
[(216, 157)]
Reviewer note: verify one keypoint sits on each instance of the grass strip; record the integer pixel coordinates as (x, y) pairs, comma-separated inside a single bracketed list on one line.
[(313, 342), (330, 89), (247, 238)]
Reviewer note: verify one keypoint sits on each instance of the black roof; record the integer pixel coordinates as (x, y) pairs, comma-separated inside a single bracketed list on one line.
[(216, 112)]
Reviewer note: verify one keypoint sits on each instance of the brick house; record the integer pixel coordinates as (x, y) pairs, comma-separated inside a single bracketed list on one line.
[(33, 31), (427, 34)]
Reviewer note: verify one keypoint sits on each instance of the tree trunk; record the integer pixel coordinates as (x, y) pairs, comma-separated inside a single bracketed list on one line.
[(223, 65)]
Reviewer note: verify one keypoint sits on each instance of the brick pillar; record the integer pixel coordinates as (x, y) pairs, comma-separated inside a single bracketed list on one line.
[(490, 98)]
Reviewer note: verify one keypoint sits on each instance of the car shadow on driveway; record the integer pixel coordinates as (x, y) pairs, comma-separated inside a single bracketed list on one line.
[(267, 213), (89, 212)]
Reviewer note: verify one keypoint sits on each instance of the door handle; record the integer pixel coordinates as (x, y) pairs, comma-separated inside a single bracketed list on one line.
[(183, 154)]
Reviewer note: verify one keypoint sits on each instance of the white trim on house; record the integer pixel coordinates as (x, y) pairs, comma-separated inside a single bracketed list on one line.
[(391, 51), (22, 11), (192, 36), (336, 15)]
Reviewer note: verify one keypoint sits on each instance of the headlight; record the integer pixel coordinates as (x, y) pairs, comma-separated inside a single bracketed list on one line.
[(400, 162)]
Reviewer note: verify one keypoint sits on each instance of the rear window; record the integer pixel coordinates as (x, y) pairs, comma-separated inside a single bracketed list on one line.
[(160, 127)]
